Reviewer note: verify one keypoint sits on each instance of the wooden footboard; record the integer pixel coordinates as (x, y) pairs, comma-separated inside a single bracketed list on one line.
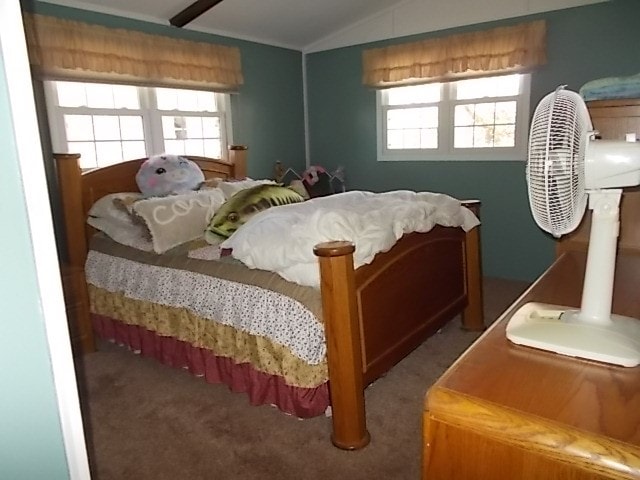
[(377, 315)]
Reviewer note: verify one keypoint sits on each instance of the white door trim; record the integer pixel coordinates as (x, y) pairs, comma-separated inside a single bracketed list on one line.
[(22, 104)]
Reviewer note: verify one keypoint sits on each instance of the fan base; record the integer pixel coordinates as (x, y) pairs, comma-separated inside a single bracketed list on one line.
[(560, 329)]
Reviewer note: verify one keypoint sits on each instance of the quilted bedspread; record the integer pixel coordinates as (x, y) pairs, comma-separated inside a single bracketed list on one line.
[(251, 316)]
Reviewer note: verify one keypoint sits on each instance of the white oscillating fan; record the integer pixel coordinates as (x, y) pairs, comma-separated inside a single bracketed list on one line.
[(566, 169)]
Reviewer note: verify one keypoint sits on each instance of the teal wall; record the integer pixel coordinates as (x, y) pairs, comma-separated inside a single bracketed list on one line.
[(584, 43), (31, 444), (267, 113)]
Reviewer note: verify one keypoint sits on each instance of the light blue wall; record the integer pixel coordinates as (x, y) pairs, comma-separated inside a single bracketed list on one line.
[(31, 444), (584, 43)]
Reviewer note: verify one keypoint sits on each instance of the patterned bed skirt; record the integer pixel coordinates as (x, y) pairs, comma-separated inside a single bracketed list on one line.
[(261, 388)]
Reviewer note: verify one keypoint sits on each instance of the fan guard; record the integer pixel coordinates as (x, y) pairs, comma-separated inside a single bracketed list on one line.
[(555, 168)]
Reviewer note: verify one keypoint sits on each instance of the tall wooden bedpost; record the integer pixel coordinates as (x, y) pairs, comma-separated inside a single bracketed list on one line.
[(238, 156), (69, 179), (473, 314), (344, 350), (72, 268)]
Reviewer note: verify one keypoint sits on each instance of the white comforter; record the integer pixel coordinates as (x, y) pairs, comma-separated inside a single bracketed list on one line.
[(281, 239)]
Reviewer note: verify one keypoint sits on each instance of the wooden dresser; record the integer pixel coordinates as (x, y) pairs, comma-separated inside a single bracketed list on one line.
[(505, 411)]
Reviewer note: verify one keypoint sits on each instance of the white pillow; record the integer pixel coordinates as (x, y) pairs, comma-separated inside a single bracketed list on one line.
[(229, 187), (112, 206), (177, 219), (158, 223), (110, 216)]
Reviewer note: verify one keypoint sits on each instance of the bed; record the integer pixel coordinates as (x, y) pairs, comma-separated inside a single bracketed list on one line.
[(422, 282)]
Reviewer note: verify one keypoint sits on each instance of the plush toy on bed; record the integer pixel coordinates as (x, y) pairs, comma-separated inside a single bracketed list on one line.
[(165, 174)]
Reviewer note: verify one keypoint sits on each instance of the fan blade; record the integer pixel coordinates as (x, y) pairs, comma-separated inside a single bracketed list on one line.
[(192, 12)]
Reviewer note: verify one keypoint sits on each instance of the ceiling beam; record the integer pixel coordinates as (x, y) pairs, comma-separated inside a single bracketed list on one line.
[(192, 12)]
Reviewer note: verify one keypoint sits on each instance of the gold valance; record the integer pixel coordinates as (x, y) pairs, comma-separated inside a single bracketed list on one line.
[(502, 49), (60, 48)]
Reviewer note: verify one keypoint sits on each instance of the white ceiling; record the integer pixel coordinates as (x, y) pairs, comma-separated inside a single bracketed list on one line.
[(314, 25)]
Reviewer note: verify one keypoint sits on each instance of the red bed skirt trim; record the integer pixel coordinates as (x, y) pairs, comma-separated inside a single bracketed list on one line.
[(260, 387)]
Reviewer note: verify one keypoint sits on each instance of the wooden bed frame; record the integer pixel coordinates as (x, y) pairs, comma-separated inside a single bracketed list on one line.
[(374, 316)]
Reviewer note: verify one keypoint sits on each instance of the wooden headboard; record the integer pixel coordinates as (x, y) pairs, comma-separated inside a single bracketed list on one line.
[(613, 119), (80, 190)]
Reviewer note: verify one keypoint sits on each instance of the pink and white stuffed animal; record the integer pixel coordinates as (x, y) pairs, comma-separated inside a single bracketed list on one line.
[(164, 174)]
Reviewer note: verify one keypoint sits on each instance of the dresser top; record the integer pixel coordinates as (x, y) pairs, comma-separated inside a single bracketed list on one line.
[(499, 386)]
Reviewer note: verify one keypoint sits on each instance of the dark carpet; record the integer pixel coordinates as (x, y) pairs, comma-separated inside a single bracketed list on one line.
[(145, 421)]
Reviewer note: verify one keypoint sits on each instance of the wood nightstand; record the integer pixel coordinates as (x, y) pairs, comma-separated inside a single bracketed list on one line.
[(75, 289)]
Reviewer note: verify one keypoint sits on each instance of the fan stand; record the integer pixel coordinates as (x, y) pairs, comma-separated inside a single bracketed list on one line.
[(592, 332)]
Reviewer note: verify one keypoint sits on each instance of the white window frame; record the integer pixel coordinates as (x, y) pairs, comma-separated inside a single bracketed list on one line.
[(151, 118), (445, 150)]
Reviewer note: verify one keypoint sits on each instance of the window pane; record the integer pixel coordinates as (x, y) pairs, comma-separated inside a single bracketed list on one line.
[(99, 95), (506, 112), (212, 148), (107, 127), (175, 147), (395, 119), (188, 100), (78, 127), (132, 150), (503, 86), (508, 85), (505, 136), (70, 94), (193, 147), (167, 98), (428, 117), (483, 137), (429, 138), (211, 127), (207, 102), (87, 151), (194, 127), (126, 96), (411, 138), (485, 113), (412, 128), (108, 153), (168, 128), (412, 117), (131, 128), (463, 137), (180, 126), (414, 94), (394, 139), (464, 115)]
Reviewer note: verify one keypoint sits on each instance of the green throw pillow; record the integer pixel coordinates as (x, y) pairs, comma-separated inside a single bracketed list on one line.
[(244, 204)]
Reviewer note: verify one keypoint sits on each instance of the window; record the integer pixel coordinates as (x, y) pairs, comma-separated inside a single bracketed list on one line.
[(108, 123), (476, 119)]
